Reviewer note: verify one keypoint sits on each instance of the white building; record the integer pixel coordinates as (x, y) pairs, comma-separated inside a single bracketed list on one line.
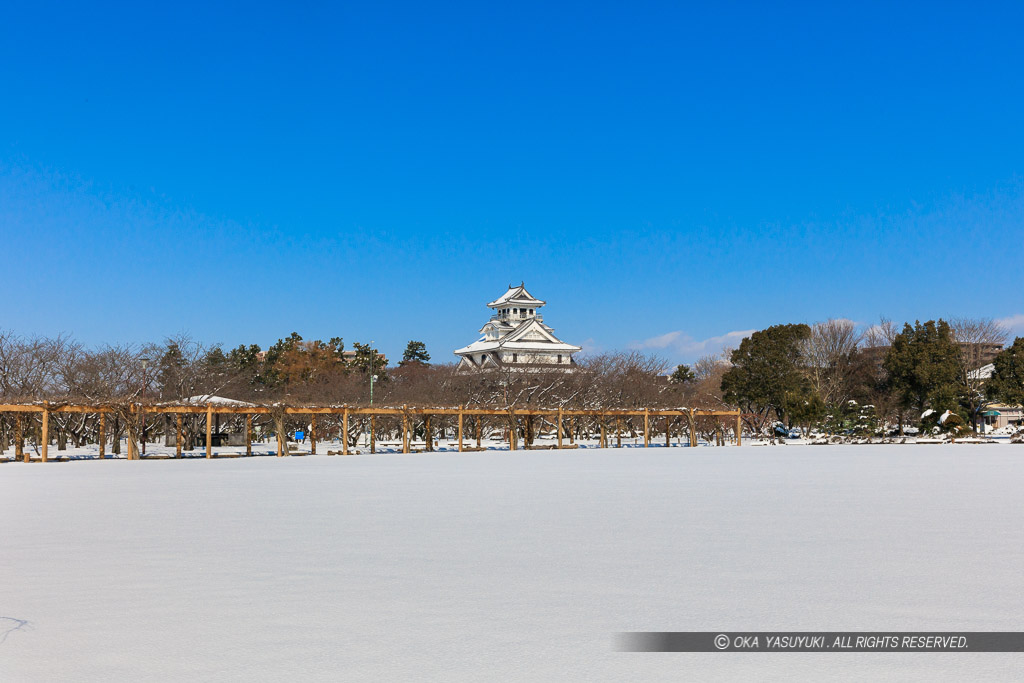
[(516, 337)]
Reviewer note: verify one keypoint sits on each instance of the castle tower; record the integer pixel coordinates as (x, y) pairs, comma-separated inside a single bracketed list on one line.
[(516, 337)]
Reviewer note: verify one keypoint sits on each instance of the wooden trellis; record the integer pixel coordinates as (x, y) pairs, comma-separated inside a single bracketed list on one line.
[(406, 413)]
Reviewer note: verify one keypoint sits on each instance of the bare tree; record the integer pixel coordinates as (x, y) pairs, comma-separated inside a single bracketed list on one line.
[(979, 340), (828, 356)]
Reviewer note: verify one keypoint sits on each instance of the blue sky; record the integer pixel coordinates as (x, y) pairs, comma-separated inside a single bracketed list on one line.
[(665, 175)]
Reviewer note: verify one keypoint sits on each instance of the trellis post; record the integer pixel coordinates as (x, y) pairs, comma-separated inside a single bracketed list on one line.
[(209, 430), (248, 434), (461, 409), (344, 431), (405, 429), (45, 436), (312, 433), (19, 439)]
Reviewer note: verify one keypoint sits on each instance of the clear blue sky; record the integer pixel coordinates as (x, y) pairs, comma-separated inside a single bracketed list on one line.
[(662, 174)]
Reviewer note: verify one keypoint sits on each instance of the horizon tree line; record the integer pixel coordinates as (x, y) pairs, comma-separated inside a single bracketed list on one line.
[(830, 375)]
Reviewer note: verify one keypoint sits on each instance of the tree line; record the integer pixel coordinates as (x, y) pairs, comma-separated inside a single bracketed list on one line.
[(837, 378), (830, 375), (300, 372)]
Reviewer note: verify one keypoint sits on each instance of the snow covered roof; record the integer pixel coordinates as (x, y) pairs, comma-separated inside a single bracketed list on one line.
[(984, 372), (532, 335), (516, 296), (215, 400), (483, 346)]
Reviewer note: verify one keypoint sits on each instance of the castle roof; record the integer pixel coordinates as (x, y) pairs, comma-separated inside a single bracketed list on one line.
[(532, 335), (516, 296)]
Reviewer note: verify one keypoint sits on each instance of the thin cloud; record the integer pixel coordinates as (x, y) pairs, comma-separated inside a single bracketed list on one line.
[(1014, 323), (681, 344), (590, 346)]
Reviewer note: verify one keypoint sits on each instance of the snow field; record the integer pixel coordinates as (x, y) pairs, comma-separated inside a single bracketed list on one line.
[(505, 566)]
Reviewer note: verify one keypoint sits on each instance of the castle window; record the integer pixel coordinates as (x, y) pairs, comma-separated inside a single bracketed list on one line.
[(559, 358), (515, 357)]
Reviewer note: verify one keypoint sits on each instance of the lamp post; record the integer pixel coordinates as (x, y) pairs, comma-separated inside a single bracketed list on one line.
[(145, 364), (373, 377)]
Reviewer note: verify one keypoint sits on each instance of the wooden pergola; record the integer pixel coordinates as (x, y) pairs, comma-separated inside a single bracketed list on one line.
[(406, 413)]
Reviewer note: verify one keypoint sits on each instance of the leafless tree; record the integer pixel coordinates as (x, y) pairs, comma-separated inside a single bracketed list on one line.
[(979, 340), (828, 357)]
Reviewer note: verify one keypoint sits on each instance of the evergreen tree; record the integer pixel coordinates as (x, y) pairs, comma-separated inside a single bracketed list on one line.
[(272, 374), (170, 369), (923, 365), (245, 357), (765, 368), (366, 359), (682, 375), (804, 407), (1007, 381), (415, 352)]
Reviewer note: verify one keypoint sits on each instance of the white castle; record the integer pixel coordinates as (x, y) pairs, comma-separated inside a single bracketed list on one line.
[(516, 336)]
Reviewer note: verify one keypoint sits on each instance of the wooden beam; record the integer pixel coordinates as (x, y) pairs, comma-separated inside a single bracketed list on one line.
[(248, 433), (45, 435), (103, 435), (739, 430), (20, 408), (177, 435), (405, 432), (337, 410), (344, 432), (19, 438), (209, 428), (312, 434), (513, 427), (461, 417), (647, 428), (428, 435)]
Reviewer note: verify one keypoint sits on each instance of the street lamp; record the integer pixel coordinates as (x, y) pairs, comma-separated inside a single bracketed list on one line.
[(373, 377), (145, 364)]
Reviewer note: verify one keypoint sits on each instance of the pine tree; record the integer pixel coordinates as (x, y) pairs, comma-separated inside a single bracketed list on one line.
[(682, 375), (923, 365), (765, 368), (415, 352), (1007, 381), (366, 359)]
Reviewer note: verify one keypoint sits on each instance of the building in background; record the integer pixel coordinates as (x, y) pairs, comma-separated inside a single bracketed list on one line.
[(516, 337)]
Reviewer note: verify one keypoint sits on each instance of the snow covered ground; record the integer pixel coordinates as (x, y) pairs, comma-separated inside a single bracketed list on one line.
[(506, 566)]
